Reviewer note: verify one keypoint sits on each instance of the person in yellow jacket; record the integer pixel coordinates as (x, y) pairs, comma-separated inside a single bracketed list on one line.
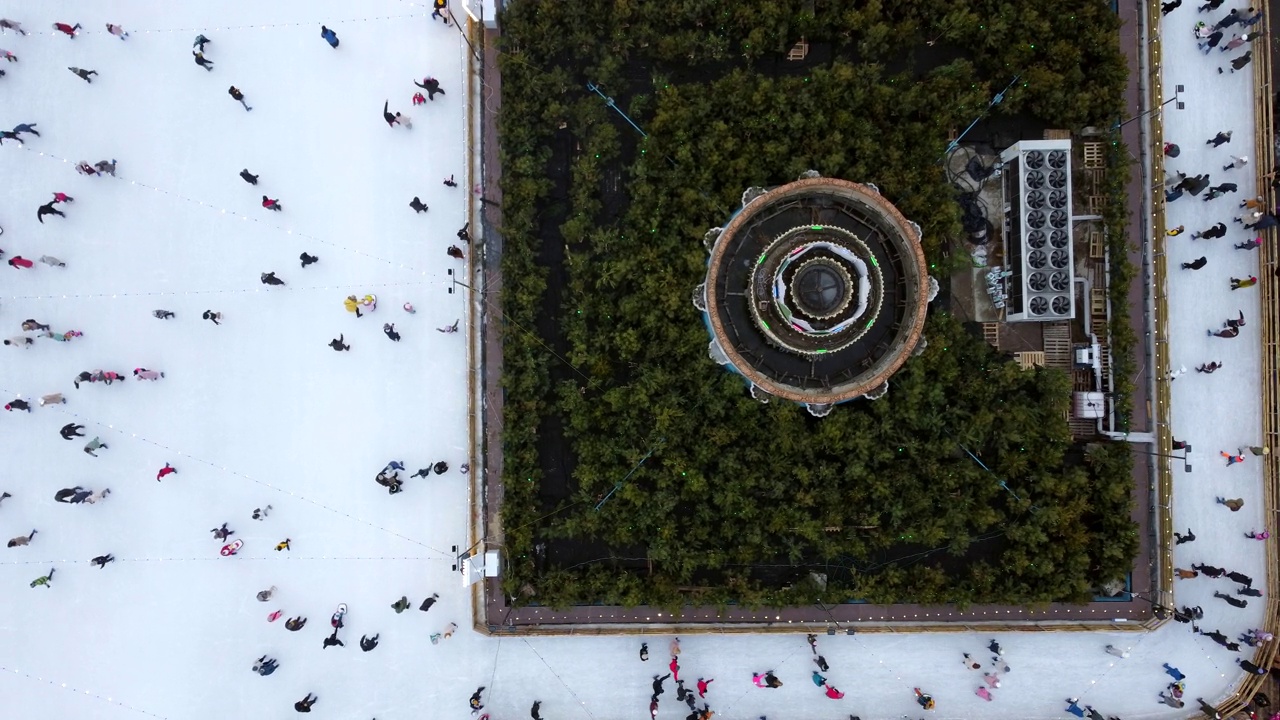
[(352, 305)]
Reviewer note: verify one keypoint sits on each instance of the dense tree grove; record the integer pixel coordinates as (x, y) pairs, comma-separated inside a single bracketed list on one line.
[(961, 485)]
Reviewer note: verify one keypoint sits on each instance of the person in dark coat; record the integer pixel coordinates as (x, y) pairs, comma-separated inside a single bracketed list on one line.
[(48, 209), (455, 252), (386, 114), (338, 345), (18, 404), (329, 36), (269, 278), (431, 85), (1196, 264), (248, 177), (1239, 577), (1249, 592), (1230, 19), (201, 61), (1233, 601), (304, 705), (1168, 7), (264, 666), (1265, 222), (417, 205), (238, 96), (333, 640), (71, 430), (1217, 231), (389, 329), (426, 604), (102, 560), (1220, 138), (1251, 668), (1179, 538), (368, 643), (1224, 188), (83, 74), (1211, 42), (1240, 62), (308, 259)]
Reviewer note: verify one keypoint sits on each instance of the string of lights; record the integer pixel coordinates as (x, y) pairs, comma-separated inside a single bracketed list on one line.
[(87, 693)]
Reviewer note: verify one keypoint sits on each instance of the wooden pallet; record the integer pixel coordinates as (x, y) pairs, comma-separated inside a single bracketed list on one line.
[(799, 51), (1028, 360), (1057, 346), (1098, 303), (1096, 203), (1095, 245), (1094, 156), (991, 334), (1057, 134)]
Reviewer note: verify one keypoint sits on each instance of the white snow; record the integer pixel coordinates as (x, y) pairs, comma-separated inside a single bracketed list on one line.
[(261, 411)]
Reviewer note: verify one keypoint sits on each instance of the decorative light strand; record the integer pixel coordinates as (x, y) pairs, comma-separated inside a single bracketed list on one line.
[(353, 287), (87, 693), (269, 26)]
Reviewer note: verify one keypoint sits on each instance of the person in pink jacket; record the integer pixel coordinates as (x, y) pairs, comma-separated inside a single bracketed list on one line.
[(145, 374)]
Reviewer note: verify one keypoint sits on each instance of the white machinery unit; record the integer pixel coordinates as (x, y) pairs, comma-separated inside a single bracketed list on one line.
[(1036, 182)]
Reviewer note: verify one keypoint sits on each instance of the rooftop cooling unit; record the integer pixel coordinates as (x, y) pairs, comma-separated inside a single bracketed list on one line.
[(1037, 194)]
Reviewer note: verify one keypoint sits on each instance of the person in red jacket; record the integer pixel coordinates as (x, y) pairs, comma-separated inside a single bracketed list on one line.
[(166, 470), (702, 686), (20, 262), (270, 204), (70, 30)]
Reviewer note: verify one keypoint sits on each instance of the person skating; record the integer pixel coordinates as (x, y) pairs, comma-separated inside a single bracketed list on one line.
[(22, 540), (1238, 283), (212, 316), (1240, 578), (26, 128), (270, 204), (1210, 42), (368, 643), (389, 329), (644, 647), (1249, 592), (702, 686), (657, 684), (18, 404), (1226, 333), (674, 667), (1168, 7), (533, 711), (463, 235), (295, 624), (333, 640), (426, 604), (304, 705), (1236, 162), (102, 166), (308, 260), (821, 662), (248, 177), (1220, 138), (1217, 231), (284, 545), (1238, 64), (329, 36), (265, 595), (1209, 368), (1233, 601), (6, 135), (222, 533), (65, 29), (8, 56), (475, 701), (396, 119), (117, 31), (449, 182), (44, 580), (269, 278), (1253, 244), (202, 61), (1180, 538), (48, 209), (20, 341), (401, 605), (431, 85), (238, 96), (1210, 711), (166, 470), (338, 345), (83, 74), (7, 24), (261, 513), (455, 252), (438, 11), (417, 205), (264, 666), (102, 560), (70, 431), (200, 42), (145, 374), (1232, 459), (1233, 504), (1196, 264), (95, 444)]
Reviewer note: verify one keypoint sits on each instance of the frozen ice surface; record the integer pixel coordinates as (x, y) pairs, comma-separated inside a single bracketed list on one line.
[(261, 411)]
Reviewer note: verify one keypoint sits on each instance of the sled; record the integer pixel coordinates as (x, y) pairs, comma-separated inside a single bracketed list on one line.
[(232, 548), (336, 620)]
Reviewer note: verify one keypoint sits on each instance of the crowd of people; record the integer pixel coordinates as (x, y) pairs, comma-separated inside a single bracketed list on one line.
[(33, 331)]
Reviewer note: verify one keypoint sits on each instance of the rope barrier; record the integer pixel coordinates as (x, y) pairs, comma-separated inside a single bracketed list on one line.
[(215, 557), (263, 483), (581, 702), (87, 693)]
